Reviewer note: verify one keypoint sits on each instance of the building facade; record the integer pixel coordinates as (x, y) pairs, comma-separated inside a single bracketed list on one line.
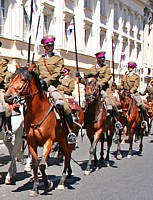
[(121, 28)]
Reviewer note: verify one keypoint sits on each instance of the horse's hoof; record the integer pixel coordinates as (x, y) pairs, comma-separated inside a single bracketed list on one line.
[(87, 172), (27, 169), (49, 186), (129, 156), (140, 153), (119, 157), (8, 181), (60, 187), (33, 193), (104, 163)]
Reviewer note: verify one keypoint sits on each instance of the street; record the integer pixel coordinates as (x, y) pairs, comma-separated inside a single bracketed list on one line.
[(128, 179)]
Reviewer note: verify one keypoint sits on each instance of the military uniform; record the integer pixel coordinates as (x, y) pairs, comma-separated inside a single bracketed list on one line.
[(49, 67), (66, 85), (103, 79), (5, 77), (131, 82)]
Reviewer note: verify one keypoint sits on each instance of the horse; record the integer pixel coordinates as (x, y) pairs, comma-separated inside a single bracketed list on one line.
[(97, 122), (14, 148), (131, 118), (149, 105), (41, 124)]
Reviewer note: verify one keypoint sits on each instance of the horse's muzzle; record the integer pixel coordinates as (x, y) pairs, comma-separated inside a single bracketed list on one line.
[(89, 98)]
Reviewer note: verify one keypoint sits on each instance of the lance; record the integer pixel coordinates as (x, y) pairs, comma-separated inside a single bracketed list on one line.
[(76, 58), (113, 58), (29, 44)]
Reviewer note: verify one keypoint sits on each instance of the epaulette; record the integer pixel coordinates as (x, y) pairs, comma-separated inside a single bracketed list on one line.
[(127, 72)]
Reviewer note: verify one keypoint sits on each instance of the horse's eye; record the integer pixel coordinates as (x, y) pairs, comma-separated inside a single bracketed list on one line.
[(23, 79)]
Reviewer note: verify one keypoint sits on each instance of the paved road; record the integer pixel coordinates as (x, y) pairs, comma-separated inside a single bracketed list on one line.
[(128, 179)]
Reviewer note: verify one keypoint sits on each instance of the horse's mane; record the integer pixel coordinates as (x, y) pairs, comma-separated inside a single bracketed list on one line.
[(27, 74)]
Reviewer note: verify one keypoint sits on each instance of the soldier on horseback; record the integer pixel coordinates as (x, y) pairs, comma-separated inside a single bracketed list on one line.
[(131, 82), (50, 68), (104, 75)]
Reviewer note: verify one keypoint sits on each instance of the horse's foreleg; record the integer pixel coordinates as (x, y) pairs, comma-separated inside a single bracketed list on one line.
[(12, 169), (67, 153), (34, 192), (119, 155), (42, 165), (131, 133), (92, 152), (141, 142), (109, 143)]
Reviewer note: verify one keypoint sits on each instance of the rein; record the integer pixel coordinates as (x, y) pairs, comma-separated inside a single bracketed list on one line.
[(35, 126)]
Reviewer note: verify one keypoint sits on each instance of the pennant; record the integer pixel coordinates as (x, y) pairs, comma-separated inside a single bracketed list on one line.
[(69, 34)]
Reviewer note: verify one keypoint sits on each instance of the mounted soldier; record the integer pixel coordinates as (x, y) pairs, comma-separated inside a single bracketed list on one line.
[(50, 68), (131, 82), (103, 73)]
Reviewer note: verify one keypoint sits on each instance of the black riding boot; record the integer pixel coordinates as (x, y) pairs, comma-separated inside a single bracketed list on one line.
[(71, 136), (118, 124), (8, 130), (144, 120)]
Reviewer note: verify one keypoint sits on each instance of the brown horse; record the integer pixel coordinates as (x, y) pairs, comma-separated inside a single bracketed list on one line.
[(41, 125), (97, 122), (131, 118), (149, 105)]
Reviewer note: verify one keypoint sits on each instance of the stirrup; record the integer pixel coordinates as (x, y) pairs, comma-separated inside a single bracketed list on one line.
[(71, 138), (8, 136), (118, 125), (144, 125)]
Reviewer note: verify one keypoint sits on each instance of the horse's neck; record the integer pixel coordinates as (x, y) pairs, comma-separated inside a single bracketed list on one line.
[(37, 104)]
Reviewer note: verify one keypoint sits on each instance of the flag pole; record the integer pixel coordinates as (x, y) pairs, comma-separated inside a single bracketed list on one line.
[(76, 58), (29, 44)]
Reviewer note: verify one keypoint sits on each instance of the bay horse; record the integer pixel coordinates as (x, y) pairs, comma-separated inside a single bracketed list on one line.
[(97, 122), (41, 124), (132, 118)]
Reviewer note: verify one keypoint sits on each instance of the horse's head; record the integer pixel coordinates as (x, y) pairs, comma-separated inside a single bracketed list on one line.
[(25, 83), (91, 88), (125, 102)]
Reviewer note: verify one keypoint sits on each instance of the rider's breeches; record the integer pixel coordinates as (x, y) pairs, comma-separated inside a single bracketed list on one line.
[(6, 106), (139, 102), (107, 100), (59, 98)]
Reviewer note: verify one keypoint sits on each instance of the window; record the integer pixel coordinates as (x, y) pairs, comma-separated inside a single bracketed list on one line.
[(116, 13), (103, 7), (25, 26), (87, 4), (2, 15), (87, 37), (46, 24)]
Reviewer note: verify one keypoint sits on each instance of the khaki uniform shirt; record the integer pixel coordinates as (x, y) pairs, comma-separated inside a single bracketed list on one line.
[(5, 75), (67, 85), (130, 82), (49, 69), (103, 75)]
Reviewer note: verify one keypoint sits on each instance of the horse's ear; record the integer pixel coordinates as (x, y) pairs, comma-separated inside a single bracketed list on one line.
[(31, 67)]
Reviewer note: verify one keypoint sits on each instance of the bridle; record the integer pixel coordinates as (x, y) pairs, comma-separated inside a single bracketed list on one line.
[(91, 90), (21, 97)]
